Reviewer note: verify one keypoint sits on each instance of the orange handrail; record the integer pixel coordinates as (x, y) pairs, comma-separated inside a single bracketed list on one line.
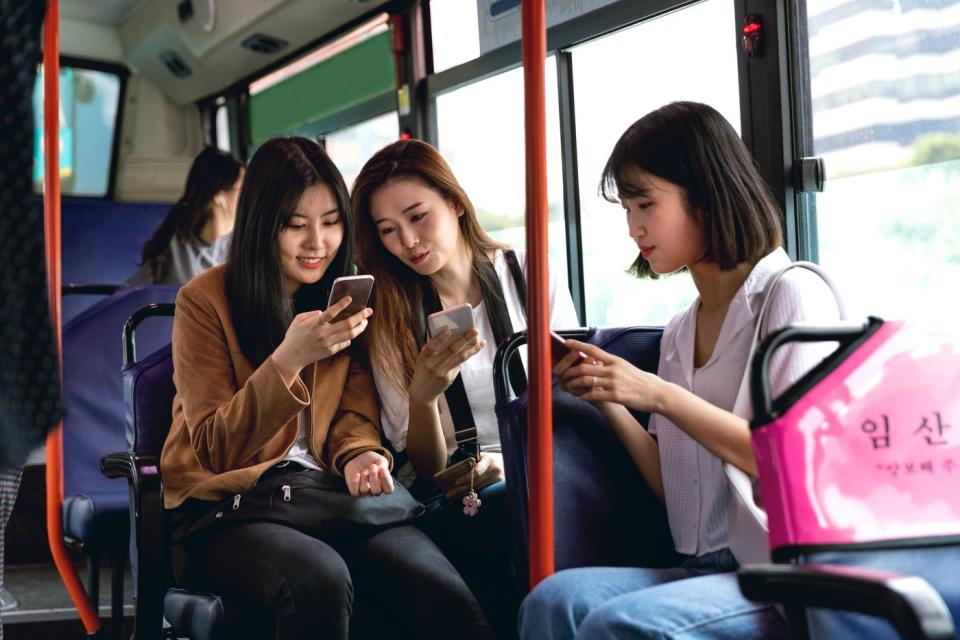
[(51, 232), (540, 409)]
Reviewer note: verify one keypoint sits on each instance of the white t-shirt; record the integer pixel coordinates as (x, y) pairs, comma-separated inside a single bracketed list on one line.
[(477, 372), (694, 484)]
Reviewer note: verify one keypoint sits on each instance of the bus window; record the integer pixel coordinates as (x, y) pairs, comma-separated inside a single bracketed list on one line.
[(222, 122), (455, 34), (89, 101), (480, 130), (618, 79), (344, 81), (352, 146), (885, 107)]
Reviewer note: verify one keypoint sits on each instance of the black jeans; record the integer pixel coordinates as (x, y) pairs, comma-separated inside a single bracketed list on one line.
[(313, 587), (480, 548)]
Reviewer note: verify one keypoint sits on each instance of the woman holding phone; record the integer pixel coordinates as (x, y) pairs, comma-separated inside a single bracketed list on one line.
[(269, 393), (693, 200), (418, 235)]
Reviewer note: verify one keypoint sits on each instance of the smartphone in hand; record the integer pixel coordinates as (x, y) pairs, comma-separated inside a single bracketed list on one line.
[(558, 350), (357, 287), (458, 319)]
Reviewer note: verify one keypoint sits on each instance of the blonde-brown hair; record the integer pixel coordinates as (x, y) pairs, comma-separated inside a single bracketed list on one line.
[(397, 298)]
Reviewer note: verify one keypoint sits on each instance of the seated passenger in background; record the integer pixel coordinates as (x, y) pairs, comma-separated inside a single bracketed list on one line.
[(694, 200), (270, 396), (418, 235), (195, 233)]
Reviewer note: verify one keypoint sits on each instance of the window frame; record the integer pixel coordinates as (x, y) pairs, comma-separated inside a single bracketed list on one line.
[(773, 119)]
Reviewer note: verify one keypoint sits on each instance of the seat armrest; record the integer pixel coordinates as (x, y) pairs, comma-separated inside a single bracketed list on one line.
[(148, 534), (909, 603)]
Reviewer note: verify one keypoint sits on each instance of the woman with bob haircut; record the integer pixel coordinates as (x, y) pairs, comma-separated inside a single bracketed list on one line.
[(271, 396), (195, 233), (693, 200), (418, 235)]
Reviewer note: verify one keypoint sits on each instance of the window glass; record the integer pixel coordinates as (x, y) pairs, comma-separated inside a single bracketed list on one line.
[(352, 146), (454, 31), (884, 81), (222, 122), (483, 141), (351, 70), (88, 118), (617, 80)]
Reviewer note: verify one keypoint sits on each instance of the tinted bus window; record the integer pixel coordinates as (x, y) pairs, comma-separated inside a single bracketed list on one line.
[(617, 80), (885, 102), (88, 118)]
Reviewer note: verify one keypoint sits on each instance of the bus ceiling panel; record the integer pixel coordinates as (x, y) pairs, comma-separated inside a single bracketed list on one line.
[(197, 51)]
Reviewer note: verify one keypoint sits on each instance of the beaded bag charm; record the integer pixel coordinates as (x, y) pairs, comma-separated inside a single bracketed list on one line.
[(471, 502)]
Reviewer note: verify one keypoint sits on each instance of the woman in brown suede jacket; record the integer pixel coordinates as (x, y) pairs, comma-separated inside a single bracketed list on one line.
[(267, 386)]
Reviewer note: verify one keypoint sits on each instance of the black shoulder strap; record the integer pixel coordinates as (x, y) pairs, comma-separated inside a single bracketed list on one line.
[(518, 377), (465, 428)]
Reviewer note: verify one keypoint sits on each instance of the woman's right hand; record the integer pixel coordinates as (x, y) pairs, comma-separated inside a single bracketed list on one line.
[(439, 363), (312, 337)]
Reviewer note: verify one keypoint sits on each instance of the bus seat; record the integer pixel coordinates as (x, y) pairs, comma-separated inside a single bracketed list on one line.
[(95, 509), (604, 513), (864, 518), (148, 391), (102, 243)]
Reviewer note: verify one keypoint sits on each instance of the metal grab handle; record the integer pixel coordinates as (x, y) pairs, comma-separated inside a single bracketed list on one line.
[(846, 334), (501, 369), (130, 326)]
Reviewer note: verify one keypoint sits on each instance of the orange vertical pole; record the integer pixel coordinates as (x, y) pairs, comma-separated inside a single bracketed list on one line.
[(540, 411), (51, 232)]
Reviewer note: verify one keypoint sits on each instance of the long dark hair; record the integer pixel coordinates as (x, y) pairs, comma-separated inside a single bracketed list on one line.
[(691, 145), (398, 296), (212, 171), (278, 174)]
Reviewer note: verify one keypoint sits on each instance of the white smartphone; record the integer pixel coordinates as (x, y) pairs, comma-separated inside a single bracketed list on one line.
[(357, 287), (458, 319)]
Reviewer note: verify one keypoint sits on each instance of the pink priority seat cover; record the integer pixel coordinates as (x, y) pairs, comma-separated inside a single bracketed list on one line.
[(872, 452)]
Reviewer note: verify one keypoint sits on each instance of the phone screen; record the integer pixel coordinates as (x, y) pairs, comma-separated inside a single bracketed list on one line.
[(558, 349), (357, 287), (458, 319)]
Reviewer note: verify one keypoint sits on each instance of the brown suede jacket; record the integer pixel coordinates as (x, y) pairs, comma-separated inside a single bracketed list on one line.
[(232, 422)]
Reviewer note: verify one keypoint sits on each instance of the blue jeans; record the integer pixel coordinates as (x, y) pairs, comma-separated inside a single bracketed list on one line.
[(698, 599)]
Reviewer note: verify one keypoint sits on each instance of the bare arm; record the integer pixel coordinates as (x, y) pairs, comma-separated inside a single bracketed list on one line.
[(613, 379), (426, 447)]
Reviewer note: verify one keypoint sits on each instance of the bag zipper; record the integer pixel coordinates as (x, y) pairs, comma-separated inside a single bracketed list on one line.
[(286, 492)]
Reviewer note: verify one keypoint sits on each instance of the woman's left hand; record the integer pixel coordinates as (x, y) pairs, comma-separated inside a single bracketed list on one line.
[(368, 474), (611, 379), (489, 467)]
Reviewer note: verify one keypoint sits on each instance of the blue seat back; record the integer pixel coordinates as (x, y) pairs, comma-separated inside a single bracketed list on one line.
[(93, 388), (604, 512), (148, 392), (106, 241)]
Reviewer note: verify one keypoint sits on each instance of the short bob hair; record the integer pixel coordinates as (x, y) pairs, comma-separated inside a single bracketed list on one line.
[(692, 146)]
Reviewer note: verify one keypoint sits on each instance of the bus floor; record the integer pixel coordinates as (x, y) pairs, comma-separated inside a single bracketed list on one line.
[(44, 609)]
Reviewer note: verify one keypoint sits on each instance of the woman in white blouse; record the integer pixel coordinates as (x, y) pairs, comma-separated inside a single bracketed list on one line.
[(693, 200), (418, 235)]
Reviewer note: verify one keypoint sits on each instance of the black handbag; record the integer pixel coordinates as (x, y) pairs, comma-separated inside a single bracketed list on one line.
[(314, 502)]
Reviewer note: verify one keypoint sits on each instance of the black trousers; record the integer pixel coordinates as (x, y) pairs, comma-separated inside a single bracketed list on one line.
[(314, 588), (480, 548)]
